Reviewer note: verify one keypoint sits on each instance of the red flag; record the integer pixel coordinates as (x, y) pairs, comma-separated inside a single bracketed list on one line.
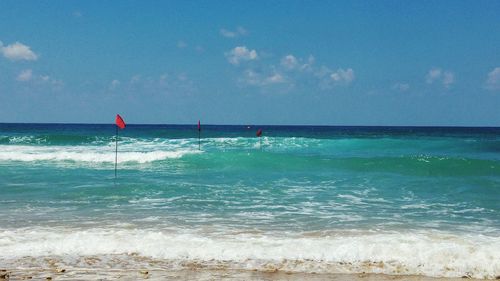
[(259, 133), (199, 125), (119, 122)]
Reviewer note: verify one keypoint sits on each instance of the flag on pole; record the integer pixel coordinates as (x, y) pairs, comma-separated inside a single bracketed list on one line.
[(199, 125), (119, 122), (259, 134)]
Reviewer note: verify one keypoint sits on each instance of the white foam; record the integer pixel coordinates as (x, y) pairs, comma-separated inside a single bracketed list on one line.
[(430, 254), (92, 154), (130, 149)]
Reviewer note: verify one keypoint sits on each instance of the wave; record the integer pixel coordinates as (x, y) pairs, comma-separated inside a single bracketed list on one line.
[(345, 146), (86, 154), (54, 139), (133, 151), (418, 253)]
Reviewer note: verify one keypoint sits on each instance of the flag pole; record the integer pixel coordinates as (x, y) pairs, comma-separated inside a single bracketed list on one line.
[(199, 135), (120, 124), (116, 149), (259, 134)]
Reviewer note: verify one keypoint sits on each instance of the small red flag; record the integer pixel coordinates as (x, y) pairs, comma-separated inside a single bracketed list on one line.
[(259, 133), (199, 125), (119, 122)]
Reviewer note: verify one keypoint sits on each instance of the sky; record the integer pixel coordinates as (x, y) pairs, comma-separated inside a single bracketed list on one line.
[(374, 63)]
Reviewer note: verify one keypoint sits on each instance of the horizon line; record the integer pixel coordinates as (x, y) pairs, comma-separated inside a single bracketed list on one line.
[(270, 125)]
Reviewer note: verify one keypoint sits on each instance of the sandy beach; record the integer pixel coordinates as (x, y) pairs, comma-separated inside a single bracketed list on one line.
[(134, 267), (199, 274)]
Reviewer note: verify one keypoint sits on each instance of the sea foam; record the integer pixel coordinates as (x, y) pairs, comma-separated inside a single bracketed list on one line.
[(422, 253), (92, 154)]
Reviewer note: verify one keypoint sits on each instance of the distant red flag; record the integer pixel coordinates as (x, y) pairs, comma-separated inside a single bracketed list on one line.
[(199, 125), (259, 133), (119, 122)]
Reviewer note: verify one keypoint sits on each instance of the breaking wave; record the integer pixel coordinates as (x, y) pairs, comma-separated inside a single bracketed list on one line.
[(423, 253)]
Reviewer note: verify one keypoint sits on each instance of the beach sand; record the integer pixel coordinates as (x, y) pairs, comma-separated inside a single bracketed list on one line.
[(138, 274), (134, 267)]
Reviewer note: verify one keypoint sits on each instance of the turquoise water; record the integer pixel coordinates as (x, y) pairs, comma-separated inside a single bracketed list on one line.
[(422, 199)]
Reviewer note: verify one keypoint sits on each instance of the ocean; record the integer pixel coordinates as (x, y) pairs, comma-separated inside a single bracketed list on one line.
[(307, 199)]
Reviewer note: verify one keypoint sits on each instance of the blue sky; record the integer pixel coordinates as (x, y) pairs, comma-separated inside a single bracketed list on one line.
[(251, 62)]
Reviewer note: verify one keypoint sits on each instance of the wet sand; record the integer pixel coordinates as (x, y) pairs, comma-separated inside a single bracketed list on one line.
[(202, 275), (136, 267)]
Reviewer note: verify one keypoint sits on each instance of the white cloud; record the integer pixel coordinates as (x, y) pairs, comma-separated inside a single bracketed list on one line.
[(493, 80), (240, 31), (18, 51), (329, 79), (114, 84), (289, 62), (275, 78), (251, 77), (25, 75), (289, 71), (433, 75), (308, 66), (241, 53), (438, 75), (227, 33), (448, 79), (322, 72), (343, 76)]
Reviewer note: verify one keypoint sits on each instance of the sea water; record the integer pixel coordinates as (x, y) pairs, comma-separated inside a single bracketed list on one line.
[(393, 200)]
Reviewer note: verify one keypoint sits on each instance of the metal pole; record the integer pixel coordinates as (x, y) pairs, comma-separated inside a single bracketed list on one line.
[(116, 149)]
